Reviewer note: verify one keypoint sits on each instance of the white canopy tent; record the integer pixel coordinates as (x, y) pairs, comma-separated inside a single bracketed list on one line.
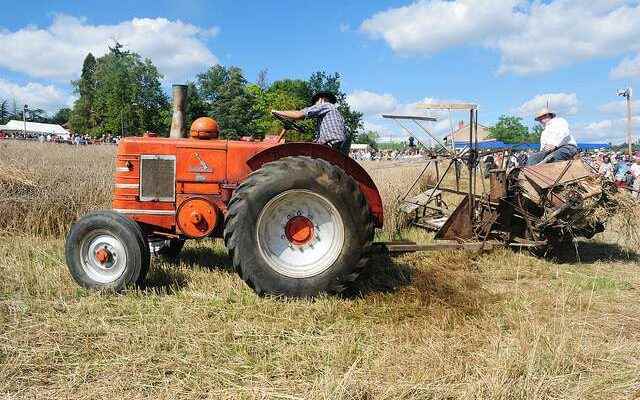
[(37, 128)]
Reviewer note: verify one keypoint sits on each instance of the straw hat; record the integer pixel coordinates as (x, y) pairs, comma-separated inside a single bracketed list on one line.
[(545, 111)]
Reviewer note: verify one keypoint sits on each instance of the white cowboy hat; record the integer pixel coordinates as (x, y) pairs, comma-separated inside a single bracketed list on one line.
[(545, 111)]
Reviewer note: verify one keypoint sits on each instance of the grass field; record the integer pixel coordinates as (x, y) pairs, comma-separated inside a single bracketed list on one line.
[(446, 325)]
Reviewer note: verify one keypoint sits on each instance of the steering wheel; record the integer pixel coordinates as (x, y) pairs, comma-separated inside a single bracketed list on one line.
[(289, 124)]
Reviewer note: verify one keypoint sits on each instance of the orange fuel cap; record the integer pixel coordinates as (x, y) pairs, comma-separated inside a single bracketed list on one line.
[(197, 217), (204, 128)]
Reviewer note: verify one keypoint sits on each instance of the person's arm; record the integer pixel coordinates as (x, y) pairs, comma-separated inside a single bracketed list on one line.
[(291, 114)]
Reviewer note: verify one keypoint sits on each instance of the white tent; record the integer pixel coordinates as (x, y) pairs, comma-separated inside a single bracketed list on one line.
[(36, 128), (360, 146)]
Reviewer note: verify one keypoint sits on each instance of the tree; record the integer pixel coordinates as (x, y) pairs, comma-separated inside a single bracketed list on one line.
[(62, 116), (127, 95), (195, 106), (4, 111), (286, 94), (536, 132), (369, 137), (510, 129), (82, 118), (37, 115), (262, 81), (230, 101)]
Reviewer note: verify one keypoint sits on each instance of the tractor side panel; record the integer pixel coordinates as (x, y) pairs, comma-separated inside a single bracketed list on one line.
[(352, 168), (207, 169)]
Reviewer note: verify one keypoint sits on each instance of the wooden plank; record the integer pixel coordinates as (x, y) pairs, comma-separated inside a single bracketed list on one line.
[(432, 224), (416, 117), (544, 175), (438, 245), (420, 200), (447, 106)]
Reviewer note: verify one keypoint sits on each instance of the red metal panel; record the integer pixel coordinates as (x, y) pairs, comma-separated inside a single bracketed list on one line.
[(352, 168)]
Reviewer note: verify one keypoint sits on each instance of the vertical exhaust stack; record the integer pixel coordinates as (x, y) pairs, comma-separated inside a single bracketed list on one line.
[(178, 121)]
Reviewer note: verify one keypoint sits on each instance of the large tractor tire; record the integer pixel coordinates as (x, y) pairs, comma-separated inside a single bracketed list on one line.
[(298, 227), (107, 251)]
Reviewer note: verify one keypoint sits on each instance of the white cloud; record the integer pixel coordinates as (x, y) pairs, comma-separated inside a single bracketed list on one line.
[(530, 37), (608, 130), (429, 26), (618, 107), (628, 68), (560, 103), (57, 51), (371, 103), (35, 95)]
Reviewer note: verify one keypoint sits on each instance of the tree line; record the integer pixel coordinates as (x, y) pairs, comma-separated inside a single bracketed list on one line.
[(121, 93), (11, 110)]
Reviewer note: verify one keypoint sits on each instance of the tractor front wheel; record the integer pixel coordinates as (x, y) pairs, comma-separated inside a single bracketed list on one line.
[(107, 251), (298, 227)]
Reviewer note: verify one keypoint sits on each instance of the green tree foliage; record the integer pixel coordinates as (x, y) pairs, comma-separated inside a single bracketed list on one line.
[(510, 129), (295, 94), (62, 116), (195, 105), (369, 137), (230, 101), (120, 92), (286, 94), (4, 112), (82, 118)]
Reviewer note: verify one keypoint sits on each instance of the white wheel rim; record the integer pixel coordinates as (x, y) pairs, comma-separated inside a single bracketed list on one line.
[(314, 254), (112, 268)]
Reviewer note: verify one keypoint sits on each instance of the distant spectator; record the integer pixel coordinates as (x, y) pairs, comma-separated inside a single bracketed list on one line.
[(635, 172), (606, 168)]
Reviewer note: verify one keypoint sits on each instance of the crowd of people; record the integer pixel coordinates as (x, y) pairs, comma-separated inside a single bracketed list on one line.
[(53, 138), (623, 170)]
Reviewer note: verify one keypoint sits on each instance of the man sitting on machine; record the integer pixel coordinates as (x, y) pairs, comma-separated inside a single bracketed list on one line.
[(556, 141), (331, 129)]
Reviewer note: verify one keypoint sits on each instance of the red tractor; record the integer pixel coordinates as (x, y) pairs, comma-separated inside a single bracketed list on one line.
[(297, 218)]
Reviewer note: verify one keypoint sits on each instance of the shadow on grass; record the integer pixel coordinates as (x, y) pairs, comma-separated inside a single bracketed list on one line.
[(588, 252), (449, 280), (168, 273), (382, 275)]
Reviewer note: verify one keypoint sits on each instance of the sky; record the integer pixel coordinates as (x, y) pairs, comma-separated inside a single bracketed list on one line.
[(508, 56)]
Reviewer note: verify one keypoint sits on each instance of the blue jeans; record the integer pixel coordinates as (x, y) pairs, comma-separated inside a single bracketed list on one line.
[(562, 153)]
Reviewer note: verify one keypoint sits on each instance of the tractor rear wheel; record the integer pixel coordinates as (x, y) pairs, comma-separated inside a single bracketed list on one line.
[(108, 251), (298, 227)]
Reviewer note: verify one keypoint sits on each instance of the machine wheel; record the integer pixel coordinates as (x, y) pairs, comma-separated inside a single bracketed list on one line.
[(106, 250), (298, 227)]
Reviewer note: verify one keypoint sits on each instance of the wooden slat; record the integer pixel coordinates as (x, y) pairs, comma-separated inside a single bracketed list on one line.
[(420, 200), (447, 106), (544, 175)]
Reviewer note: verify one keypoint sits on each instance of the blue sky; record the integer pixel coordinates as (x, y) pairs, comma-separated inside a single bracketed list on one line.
[(509, 56)]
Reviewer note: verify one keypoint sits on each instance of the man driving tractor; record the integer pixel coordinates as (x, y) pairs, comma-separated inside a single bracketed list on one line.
[(331, 129), (556, 141)]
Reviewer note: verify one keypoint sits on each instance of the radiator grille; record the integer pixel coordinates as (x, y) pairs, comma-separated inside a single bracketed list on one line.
[(157, 178)]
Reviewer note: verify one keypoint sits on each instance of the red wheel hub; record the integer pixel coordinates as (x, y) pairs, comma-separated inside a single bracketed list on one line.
[(103, 255), (299, 230)]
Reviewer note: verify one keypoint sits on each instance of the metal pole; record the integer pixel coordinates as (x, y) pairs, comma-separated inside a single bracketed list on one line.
[(24, 120), (470, 166), (178, 120), (629, 122)]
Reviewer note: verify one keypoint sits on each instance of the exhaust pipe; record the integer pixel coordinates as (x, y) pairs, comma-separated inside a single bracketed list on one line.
[(178, 120)]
